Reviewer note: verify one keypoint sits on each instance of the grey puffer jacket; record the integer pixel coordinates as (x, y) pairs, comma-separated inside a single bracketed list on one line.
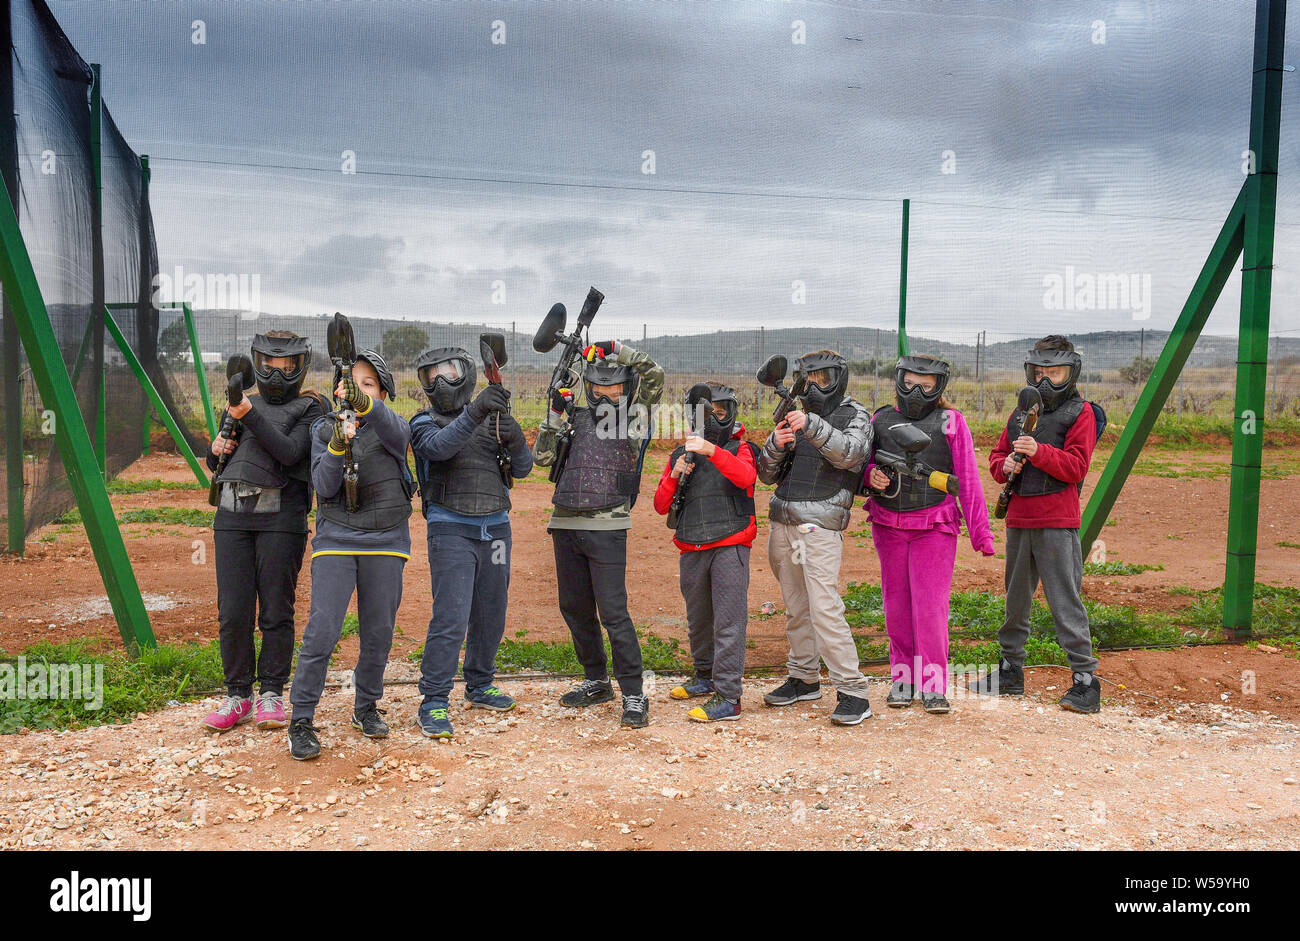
[(846, 450)]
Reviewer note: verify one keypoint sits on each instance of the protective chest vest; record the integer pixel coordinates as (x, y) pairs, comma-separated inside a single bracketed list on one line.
[(1051, 429), (470, 482), (601, 472), (913, 494), (384, 487), (811, 476), (251, 464), (713, 507)]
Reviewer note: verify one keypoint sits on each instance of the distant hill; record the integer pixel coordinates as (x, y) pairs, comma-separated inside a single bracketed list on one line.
[(227, 332)]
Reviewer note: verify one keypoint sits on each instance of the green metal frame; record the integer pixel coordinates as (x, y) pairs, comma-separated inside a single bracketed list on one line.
[(72, 437), (1249, 233), (154, 398), (96, 154), (199, 370), (902, 284)]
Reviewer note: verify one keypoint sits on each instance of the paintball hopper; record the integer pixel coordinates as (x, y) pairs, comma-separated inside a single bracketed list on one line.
[(772, 373), (492, 349), (242, 366), (552, 328), (1028, 398), (700, 393), (910, 438)]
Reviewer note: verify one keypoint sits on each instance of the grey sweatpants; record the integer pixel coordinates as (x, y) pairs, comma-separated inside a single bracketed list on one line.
[(1054, 557), (807, 566), (715, 586), (377, 581)]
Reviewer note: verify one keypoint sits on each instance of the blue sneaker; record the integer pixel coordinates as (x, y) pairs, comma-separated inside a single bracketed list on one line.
[(433, 720), (715, 709), (489, 697), (695, 686)]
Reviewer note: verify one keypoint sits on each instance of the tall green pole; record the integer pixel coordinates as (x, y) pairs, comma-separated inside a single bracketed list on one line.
[(71, 436), (902, 285), (197, 352), (144, 419), (97, 311), (1252, 342), (13, 360)]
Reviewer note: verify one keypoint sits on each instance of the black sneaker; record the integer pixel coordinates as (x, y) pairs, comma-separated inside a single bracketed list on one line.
[(1084, 695), (636, 711), (588, 693), (792, 691), (304, 743), (935, 703), (850, 710), (1008, 681), (367, 720), (900, 695)]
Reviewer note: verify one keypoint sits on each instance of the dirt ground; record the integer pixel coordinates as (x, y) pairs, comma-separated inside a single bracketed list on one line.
[(1186, 753)]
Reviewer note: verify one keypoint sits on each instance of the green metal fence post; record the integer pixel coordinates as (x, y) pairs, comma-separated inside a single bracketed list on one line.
[(199, 368), (71, 435), (902, 284), (97, 221), (13, 360), (146, 383), (1252, 342)]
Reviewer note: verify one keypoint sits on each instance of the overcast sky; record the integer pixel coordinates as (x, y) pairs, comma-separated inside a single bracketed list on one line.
[(775, 161)]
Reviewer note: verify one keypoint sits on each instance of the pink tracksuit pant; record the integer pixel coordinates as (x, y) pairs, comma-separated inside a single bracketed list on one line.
[(915, 580)]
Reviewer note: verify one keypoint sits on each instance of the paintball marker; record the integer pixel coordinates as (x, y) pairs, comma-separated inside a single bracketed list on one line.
[(549, 334), (343, 353), (700, 394), (913, 441), (492, 350), (772, 375), (1030, 403), (239, 376)]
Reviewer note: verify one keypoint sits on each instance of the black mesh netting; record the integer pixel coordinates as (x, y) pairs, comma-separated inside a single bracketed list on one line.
[(49, 173)]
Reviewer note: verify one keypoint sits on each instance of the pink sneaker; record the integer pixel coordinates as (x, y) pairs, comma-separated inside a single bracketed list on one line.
[(270, 711), (234, 711)]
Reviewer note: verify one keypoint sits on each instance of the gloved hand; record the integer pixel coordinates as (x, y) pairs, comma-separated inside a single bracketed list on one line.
[(561, 402), (350, 392), (512, 436), (607, 349), (492, 399), (338, 440)]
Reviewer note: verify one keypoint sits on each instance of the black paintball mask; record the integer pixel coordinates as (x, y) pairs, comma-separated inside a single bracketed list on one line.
[(278, 385), (824, 397), (447, 376), (715, 430), (600, 373), (913, 401), (1053, 395)]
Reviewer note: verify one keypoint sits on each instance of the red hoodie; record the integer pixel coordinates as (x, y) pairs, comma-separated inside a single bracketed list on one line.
[(738, 468), (1069, 463)]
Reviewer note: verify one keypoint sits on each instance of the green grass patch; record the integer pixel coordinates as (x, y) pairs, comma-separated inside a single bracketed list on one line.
[(118, 485), (170, 672), (1118, 568), (517, 655), (170, 515)]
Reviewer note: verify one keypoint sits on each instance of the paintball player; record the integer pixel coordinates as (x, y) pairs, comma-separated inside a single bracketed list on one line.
[(363, 550), (466, 505), (1043, 521), (260, 529), (593, 505), (815, 458), (915, 527), (715, 531)]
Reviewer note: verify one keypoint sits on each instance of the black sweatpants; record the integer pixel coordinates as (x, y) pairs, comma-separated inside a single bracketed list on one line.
[(257, 575), (591, 575)]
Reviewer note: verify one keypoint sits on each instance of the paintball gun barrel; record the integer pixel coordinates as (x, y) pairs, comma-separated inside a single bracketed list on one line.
[(239, 376)]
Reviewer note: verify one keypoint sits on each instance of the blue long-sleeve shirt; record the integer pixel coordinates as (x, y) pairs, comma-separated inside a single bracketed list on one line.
[(432, 443), (334, 538)]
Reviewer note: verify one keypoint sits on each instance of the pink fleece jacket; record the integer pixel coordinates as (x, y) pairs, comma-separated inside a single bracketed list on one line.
[(946, 516)]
